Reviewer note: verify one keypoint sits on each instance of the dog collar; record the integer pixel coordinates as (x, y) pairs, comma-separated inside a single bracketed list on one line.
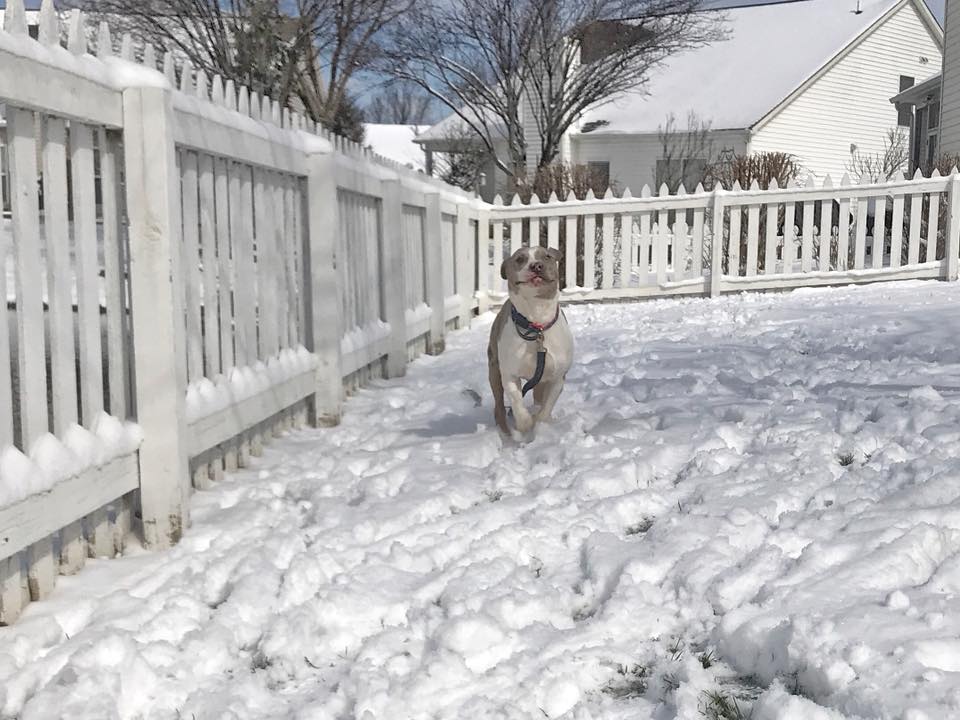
[(529, 330)]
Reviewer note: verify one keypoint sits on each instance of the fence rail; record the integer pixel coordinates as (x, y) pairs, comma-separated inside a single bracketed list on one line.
[(190, 269)]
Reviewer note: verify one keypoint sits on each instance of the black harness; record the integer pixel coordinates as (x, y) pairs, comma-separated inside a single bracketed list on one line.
[(533, 332)]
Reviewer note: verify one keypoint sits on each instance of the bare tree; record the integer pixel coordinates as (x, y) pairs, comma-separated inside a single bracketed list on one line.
[(881, 166), (400, 104), (685, 153), (495, 61), (306, 51), (463, 162)]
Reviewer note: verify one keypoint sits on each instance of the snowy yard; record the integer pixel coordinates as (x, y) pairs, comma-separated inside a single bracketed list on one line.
[(752, 499)]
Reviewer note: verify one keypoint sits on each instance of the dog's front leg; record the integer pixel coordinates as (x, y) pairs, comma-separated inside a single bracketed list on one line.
[(551, 393), (521, 416)]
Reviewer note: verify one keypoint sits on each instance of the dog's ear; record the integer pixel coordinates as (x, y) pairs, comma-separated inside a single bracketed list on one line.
[(554, 254), (503, 268)]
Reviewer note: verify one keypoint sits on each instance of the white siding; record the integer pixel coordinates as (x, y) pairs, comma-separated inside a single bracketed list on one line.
[(633, 158), (950, 112), (850, 103)]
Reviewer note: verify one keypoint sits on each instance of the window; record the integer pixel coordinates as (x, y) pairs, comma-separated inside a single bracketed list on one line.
[(916, 144), (933, 120), (931, 151), (904, 112), (688, 171), (600, 169)]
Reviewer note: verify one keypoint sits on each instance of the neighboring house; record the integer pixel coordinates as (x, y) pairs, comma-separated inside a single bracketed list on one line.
[(812, 78), (920, 105), (935, 104)]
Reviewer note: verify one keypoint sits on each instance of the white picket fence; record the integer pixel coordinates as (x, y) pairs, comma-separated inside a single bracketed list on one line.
[(190, 269), (774, 239)]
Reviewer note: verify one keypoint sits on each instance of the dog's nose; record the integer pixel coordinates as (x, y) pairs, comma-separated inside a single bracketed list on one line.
[(536, 267)]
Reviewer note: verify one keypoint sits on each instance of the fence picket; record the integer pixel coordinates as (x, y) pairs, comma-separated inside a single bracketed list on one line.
[(896, 232), (498, 282), (825, 248), (113, 272), (789, 252), (771, 217), (933, 229), (916, 216), (570, 252), (191, 263), (644, 249), (733, 252), (696, 247), (680, 236), (63, 371), (753, 236), (516, 229), (606, 251), (281, 252), (553, 232), (860, 238), (843, 227), (241, 232), (626, 249), (590, 250), (292, 245), (879, 232), (806, 237), (24, 204), (226, 281), (88, 275), (208, 261), (266, 251), (6, 381)]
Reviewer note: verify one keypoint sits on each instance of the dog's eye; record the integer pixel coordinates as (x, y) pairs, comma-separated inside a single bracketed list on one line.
[(522, 260)]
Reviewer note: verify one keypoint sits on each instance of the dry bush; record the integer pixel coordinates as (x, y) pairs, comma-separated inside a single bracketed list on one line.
[(563, 178), (764, 167)]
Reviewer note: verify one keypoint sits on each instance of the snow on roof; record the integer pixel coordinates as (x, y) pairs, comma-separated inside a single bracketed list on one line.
[(454, 127), (396, 143), (769, 52)]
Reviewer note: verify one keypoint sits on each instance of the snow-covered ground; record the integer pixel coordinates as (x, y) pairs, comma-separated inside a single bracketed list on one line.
[(752, 499)]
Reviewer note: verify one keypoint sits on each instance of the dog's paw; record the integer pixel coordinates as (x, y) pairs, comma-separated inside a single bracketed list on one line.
[(524, 421)]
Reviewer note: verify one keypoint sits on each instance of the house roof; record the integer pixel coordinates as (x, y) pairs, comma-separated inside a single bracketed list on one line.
[(455, 129), (396, 142), (770, 51), (919, 92)]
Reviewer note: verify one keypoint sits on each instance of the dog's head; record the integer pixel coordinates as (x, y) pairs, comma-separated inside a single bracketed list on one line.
[(532, 272)]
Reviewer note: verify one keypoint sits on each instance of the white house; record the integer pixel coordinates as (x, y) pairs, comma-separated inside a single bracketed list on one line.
[(936, 102), (812, 78)]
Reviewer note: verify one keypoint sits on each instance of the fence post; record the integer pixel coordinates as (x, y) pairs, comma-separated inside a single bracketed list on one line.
[(716, 262), (952, 249), (484, 279), (160, 375), (394, 277), (323, 321), (463, 268), (433, 264)]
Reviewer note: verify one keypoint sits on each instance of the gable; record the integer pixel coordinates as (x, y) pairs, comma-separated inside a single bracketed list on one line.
[(770, 52), (849, 103)]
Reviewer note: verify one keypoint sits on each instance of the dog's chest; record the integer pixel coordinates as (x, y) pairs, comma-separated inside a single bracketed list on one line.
[(518, 357)]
